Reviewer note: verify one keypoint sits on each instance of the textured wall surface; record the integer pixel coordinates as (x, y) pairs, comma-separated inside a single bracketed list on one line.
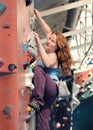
[(14, 29)]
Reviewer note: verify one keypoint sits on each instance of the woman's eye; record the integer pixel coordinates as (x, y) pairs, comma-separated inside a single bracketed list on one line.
[(53, 41)]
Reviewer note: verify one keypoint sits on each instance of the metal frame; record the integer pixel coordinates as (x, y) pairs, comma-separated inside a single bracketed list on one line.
[(65, 7)]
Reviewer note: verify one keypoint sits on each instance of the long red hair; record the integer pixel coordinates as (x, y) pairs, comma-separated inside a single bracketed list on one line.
[(63, 53)]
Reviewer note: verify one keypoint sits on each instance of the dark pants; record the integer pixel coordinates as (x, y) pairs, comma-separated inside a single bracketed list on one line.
[(44, 94)]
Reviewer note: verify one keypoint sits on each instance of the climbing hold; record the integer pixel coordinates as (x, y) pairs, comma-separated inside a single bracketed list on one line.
[(6, 26), (1, 63), (2, 8), (7, 111), (11, 67), (58, 125), (29, 108), (25, 65), (28, 2), (28, 118), (25, 46)]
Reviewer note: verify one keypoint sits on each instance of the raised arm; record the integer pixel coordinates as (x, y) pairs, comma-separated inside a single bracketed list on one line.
[(48, 59), (45, 27)]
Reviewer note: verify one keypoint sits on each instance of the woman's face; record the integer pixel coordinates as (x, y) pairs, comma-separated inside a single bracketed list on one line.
[(51, 43)]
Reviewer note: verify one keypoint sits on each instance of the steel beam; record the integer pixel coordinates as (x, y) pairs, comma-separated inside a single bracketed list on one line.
[(87, 54), (74, 32), (66, 7), (80, 46)]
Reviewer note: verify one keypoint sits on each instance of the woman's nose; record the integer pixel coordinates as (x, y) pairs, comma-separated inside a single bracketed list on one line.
[(49, 41)]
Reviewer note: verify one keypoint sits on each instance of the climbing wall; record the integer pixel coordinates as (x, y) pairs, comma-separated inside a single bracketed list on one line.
[(14, 96), (83, 114)]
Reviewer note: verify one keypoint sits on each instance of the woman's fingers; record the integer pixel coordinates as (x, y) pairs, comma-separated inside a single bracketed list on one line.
[(36, 12)]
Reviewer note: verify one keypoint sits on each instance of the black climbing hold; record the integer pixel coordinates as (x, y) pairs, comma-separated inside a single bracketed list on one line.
[(28, 2), (11, 67)]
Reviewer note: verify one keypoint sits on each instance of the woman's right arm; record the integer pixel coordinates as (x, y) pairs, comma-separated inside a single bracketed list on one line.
[(44, 25)]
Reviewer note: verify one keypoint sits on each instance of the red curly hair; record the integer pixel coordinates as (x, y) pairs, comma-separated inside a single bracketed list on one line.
[(63, 54)]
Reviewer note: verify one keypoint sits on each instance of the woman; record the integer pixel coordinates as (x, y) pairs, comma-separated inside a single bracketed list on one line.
[(55, 54)]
